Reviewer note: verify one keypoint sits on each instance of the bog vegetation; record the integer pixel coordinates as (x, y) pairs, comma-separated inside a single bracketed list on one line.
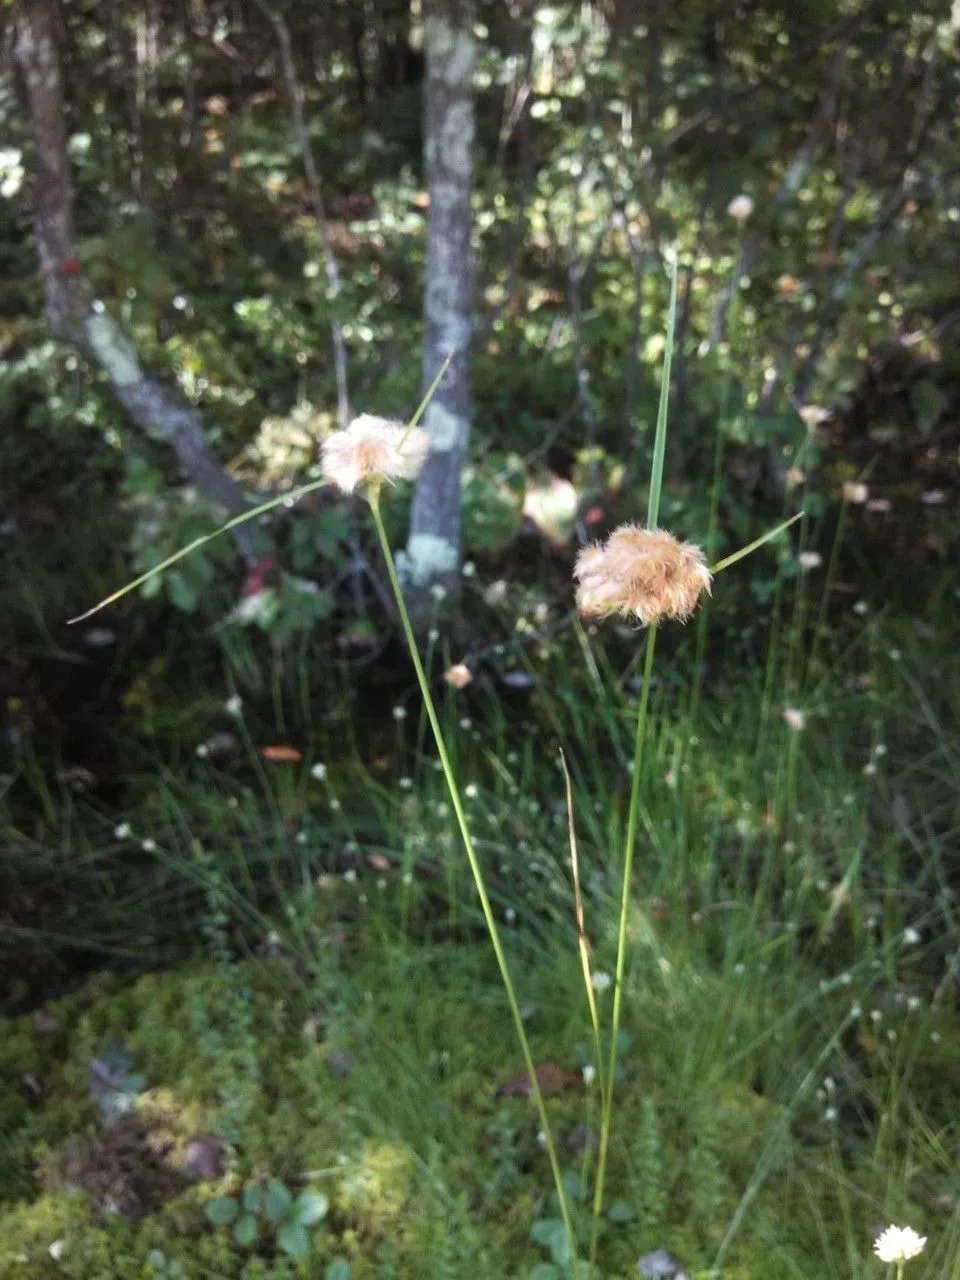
[(589, 909)]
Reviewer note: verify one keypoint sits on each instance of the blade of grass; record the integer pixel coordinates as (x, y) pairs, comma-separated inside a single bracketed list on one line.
[(476, 869), (581, 929), (244, 516), (653, 511), (727, 561)]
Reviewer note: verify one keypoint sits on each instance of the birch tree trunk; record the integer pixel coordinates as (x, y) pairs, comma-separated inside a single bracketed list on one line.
[(432, 554), (71, 313)]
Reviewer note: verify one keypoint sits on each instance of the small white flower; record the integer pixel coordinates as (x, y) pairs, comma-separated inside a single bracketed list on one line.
[(875, 1015), (233, 802), (335, 805), (898, 1244), (122, 831), (855, 492), (399, 713), (407, 877), (861, 608), (148, 845), (810, 560), (846, 979), (471, 791), (589, 1074), (381, 883), (405, 783), (202, 751), (869, 769), (465, 722), (433, 635), (510, 915), (469, 569), (880, 749), (57, 1249), (438, 592), (935, 1037), (601, 981), (855, 1011), (796, 720), (318, 771), (350, 876), (740, 207), (830, 1115), (670, 778), (829, 1084), (914, 1003), (302, 837), (911, 936), (895, 655), (234, 705), (542, 1138)]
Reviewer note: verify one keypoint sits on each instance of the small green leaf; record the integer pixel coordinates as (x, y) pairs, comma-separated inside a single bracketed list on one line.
[(253, 1198), (245, 1230), (293, 1240), (310, 1207), (575, 1186), (222, 1210), (544, 1271), (620, 1212), (182, 593), (551, 1233), (339, 1269), (278, 1201), (543, 1230)]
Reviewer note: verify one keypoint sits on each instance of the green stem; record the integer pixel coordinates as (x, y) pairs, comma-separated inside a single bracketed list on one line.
[(474, 861), (622, 939), (660, 439)]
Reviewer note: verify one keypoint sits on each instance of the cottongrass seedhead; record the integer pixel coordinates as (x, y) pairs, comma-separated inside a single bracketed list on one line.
[(855, 492), (898, 1244), (646, 573), (458, 676), (740, 207), (374, 451)]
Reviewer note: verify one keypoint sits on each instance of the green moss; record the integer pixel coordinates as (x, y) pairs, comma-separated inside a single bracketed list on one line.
[(429, 1169)]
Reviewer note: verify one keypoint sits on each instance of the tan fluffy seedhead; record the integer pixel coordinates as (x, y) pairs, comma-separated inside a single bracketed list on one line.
[(374, 451), (643, 573)]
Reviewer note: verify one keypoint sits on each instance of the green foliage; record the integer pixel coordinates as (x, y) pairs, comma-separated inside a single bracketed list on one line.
[(272, 1210)]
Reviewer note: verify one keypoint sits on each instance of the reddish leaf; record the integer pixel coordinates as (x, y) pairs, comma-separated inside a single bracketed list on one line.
[(259, 573), (550, 1078), (281, 755)]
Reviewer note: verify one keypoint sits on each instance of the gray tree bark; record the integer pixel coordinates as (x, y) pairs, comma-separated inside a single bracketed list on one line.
[(71, 313), (432, 554)]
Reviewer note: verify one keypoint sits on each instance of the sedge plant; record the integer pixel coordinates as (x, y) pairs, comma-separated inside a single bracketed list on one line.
[(644, 573)]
